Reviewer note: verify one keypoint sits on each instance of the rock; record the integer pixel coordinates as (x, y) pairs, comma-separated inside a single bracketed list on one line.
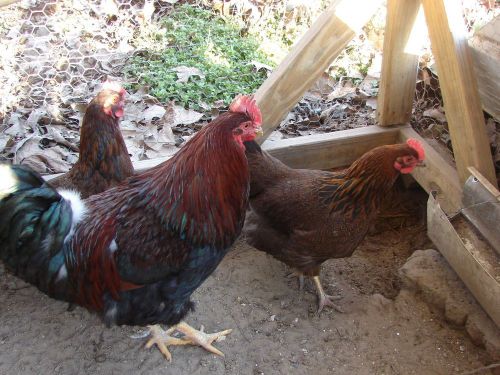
[(426, 272), (484, 332)]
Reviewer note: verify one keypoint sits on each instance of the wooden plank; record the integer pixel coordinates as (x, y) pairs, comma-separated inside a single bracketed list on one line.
[(472, 259), (437, 175), (459, 88), (399, 63), (485, 47), (330, 150), (309, 58)]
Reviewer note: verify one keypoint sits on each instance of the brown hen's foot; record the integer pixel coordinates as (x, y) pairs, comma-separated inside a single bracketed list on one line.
[(325, 299), (162, 340), (201, 338)]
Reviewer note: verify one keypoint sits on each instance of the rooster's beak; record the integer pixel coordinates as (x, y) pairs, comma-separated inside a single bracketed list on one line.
[(259, 132)]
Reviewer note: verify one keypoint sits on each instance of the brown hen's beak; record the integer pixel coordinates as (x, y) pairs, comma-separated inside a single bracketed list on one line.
[(259, 131)]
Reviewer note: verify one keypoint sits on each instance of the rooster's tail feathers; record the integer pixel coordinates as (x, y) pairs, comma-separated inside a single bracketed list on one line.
[(35, 221)]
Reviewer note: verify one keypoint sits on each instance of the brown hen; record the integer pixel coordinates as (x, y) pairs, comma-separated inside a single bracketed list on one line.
[(305, 217), (104, 160)]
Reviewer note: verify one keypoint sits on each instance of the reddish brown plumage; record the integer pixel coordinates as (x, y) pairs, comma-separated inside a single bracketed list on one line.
[(103, 161), (304, 217)]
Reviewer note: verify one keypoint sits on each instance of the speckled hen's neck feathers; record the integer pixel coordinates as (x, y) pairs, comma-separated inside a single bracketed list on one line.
[(202, 192)]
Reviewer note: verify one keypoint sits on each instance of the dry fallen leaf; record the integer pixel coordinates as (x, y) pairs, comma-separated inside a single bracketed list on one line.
[(436, 114), (16, 125), (258, 66), (371, 103), (154, 111), (184, 116), (27, 147), (4, 139), (185, 72), (48, 161), (56, 135)]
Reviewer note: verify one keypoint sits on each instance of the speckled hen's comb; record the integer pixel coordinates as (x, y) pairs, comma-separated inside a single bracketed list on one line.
[(246, 104), (114, 86), (417, 146)]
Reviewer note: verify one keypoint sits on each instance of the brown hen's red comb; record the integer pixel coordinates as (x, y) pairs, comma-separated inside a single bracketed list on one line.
[(246, 104), (114, 86), (417, 146)]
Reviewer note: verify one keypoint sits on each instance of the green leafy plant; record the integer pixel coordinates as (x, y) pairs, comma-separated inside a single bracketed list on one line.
[(197, 38)]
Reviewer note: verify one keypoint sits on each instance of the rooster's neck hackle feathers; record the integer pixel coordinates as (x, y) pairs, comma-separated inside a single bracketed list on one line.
[(202, 192)]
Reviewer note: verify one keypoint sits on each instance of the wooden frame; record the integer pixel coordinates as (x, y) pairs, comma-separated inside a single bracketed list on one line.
[(399, 66)]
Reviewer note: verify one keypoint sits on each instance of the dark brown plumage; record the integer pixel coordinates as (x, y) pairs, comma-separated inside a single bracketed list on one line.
[(305, 217), (103, 161)]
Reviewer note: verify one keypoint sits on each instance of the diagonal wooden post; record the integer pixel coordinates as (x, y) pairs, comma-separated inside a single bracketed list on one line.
[(399, 63), (309, 58), (459, 88)]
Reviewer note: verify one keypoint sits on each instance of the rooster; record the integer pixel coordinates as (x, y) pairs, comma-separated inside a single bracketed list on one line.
[(305, 217), (104, 161), (136, 252)]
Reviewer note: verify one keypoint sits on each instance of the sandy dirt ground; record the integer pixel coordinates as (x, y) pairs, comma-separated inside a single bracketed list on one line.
[(384, 330)]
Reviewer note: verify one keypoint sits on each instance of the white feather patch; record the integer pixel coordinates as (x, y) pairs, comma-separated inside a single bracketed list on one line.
[(113, 246), (77, 207), (8, 180), (62, 274), (111, 313)]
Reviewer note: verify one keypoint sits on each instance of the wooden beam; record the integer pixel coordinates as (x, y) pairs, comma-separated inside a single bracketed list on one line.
[(399, 62), (459, 88), (485, 47), (330, 150), (309, 58), (437, 175)]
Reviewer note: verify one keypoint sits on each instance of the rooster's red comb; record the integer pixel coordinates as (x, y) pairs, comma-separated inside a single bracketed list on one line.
[(114, 86), (417, 146), (246, 104)]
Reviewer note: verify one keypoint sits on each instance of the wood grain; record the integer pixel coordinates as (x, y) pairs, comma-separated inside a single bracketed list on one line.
[(485, 47), (459, 88), (437, 175), (399, 65)]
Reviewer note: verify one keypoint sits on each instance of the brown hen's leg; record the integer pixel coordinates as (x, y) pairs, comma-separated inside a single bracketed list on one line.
[(201, 338), (323, 298), (299, 276), (162, 340)]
